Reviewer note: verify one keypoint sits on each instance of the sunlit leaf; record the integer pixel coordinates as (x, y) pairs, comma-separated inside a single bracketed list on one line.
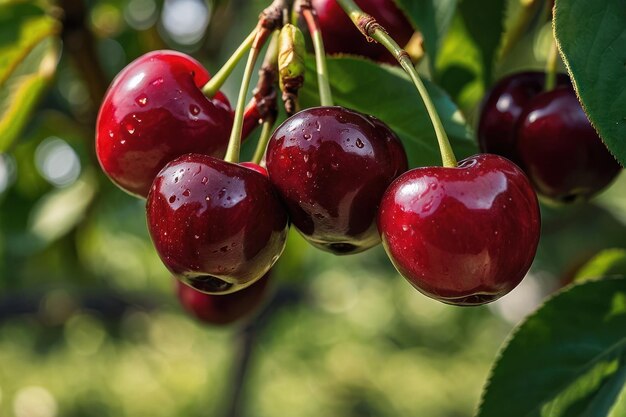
[(28, 58), (567, 359), (595, 54)]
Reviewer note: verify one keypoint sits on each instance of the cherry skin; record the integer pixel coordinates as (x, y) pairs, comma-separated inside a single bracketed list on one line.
[(341, 36), (153, 112), (502, 108), (223, 309), (217, 226), (331, 167), (465, 235), (560, 150)]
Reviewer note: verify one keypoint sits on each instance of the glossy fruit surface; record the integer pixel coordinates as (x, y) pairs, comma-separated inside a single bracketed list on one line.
[(223, 309), (341, 36), (560, 150), (153, 112), (217, 226), (331, 167), (502, 108), (465, 235)]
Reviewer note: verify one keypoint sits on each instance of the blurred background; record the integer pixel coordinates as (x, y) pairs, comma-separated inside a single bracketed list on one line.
[(90, 325)]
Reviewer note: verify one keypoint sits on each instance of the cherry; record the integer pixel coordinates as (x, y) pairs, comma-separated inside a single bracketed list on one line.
[(560, 151), (153, 112), (331, 167), (223, 309), (465, 235), (502, 108), (217, 226), (341, 36)]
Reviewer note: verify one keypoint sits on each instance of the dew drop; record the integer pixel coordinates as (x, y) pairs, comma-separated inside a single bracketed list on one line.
[(318, 126), (172, 199), (142, 100), (204, 180), (187, 193), (222, 193), (175, 180), (123, 141), (130, 128), (307, 136), (157, 82), (194, 110), (309, 174), (196, 236), (405, 228), (208, 198), (359, 143), (334, 165), (306, 158), (111, 134)]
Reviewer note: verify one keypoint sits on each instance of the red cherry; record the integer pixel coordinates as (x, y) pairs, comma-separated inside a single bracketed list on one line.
[(560, 151), (153, 112), (331, 167), (341, 36), (217, 226), (223, 309), (502, 108), (465, 235)]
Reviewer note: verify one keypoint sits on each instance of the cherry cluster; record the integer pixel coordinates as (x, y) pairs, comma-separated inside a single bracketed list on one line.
[(465, 233)]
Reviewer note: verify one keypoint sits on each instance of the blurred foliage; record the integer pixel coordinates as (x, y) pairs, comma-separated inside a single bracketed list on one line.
[(89, 325)]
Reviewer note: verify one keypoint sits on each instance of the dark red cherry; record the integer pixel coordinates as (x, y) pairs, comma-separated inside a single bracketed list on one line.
[(223, 309), (153, 112), (341, 36), (217, 226), (560, 151), (331, 167), (502, 108), (465, 235)]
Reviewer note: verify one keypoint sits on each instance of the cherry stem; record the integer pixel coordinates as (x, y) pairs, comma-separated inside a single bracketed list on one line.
[(310, 16), (234, 144), (212, 87), (266, 134), (372, 30), (551, 66)]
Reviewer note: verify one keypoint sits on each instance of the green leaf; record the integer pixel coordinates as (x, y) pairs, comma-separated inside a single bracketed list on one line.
[(566, 360), (433, 18), (387, 93), (28, 58), (484, 21), (592, 36), (609, 262)]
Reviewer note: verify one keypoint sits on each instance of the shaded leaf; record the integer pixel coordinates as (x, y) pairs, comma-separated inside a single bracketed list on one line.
[(595, 55), (387, 93), (567, 359)]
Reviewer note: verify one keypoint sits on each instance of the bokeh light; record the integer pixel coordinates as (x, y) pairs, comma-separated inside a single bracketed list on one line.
[(57, 162)]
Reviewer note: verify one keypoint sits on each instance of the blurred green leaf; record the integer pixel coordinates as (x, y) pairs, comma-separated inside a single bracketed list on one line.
[(484, 21), (433, 18), (459, 66), (387, 93), (567, 359), (596, 58), (28, 59), (609, 262)]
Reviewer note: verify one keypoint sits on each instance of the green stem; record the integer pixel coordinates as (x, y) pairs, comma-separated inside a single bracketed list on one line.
[(368, 26), (234, 144), (326, 97), (551, 66), (266, 134), (212, 87)]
